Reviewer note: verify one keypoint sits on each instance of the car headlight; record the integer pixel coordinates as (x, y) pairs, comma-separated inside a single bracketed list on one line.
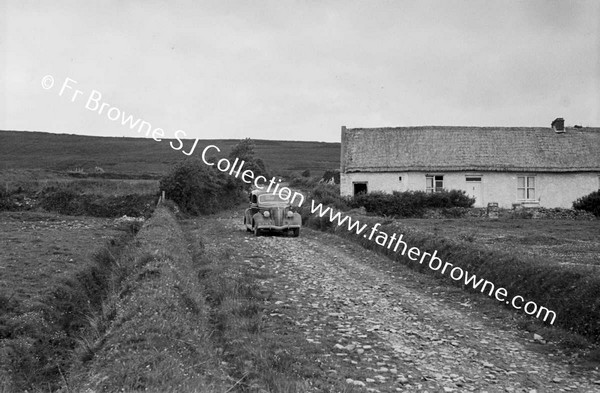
[(267, 214), (290, 214)]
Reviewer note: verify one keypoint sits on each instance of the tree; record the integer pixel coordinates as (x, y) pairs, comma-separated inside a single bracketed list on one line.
[(244, 150), (590, 203)]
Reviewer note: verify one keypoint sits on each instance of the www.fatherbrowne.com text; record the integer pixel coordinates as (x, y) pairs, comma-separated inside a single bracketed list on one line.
[(394, 242)]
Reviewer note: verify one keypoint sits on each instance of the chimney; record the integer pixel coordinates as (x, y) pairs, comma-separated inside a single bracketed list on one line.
[(558, 125), (344, 141)]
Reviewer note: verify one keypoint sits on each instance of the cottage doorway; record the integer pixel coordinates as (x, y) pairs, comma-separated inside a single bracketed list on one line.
[(474, 189), (360, 188)]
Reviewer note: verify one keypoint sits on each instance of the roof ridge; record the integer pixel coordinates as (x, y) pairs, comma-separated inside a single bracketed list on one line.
[(477, 148)]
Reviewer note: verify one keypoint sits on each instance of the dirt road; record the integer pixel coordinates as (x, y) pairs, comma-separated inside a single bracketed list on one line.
[(388, 328)]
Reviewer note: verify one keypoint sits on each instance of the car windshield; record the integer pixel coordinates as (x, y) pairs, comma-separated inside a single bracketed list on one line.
[(271, 198)]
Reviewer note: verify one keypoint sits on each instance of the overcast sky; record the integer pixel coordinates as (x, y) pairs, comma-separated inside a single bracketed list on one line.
[(297, 70)]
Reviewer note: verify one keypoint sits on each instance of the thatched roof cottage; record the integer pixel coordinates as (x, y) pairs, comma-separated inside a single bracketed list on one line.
[(546, 167)]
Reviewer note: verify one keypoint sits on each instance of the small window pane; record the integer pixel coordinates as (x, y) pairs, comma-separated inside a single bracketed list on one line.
[(429, 182), (531, 182), (530, 193), (521, 182), (521, 193)]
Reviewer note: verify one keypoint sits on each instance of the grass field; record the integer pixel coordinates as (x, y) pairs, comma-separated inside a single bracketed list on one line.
[(564, 242), (37, 248), (49, 286), (64, 152)]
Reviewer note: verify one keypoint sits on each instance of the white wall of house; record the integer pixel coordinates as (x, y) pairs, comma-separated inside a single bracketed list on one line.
[(546, 189)]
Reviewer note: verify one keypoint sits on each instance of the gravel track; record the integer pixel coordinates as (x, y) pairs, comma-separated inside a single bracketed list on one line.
[(394, 329)]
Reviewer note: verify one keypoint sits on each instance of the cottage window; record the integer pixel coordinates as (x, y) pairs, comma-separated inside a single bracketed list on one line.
[(434, 183), (526, 188)]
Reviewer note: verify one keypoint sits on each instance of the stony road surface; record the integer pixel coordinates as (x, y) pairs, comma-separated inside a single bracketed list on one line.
[(391, 330)]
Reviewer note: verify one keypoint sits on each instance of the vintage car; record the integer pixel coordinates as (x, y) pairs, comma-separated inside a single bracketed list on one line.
[(269, 213)]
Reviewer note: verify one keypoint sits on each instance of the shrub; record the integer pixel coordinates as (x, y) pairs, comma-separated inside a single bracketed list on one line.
[(374, 202), (62, 201), (303, 183), (7, 203), (590, 203), (329, 195), (411, 203), (199, 189), (332, 174)]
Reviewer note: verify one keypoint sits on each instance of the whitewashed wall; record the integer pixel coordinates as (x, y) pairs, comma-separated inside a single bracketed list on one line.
[(552, 189)]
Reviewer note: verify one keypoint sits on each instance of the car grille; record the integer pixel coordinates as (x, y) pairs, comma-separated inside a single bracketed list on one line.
[(277, 213)]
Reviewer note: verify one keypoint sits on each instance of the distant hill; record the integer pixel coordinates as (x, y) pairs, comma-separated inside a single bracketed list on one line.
[(24, 149)]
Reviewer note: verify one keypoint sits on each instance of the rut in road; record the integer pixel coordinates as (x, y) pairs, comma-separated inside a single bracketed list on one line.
[(387, 330)]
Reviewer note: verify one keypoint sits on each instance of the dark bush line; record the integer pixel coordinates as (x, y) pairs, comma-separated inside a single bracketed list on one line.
[(38, 349), (114, 175), (418, 204), (65, 201), (7, 203), (410, 203), (590, 203), (71, 202)]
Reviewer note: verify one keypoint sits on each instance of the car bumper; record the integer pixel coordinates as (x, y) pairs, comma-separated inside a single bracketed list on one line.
[(277, 228)]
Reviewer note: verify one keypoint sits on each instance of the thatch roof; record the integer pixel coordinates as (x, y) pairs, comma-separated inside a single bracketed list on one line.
[(470, 149)]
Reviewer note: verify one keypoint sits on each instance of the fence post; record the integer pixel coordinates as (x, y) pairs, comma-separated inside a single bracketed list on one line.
[(161, 199)]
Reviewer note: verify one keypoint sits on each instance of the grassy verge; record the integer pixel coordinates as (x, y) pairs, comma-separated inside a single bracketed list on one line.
[(572, 292), (153, 332), (39, 334)]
